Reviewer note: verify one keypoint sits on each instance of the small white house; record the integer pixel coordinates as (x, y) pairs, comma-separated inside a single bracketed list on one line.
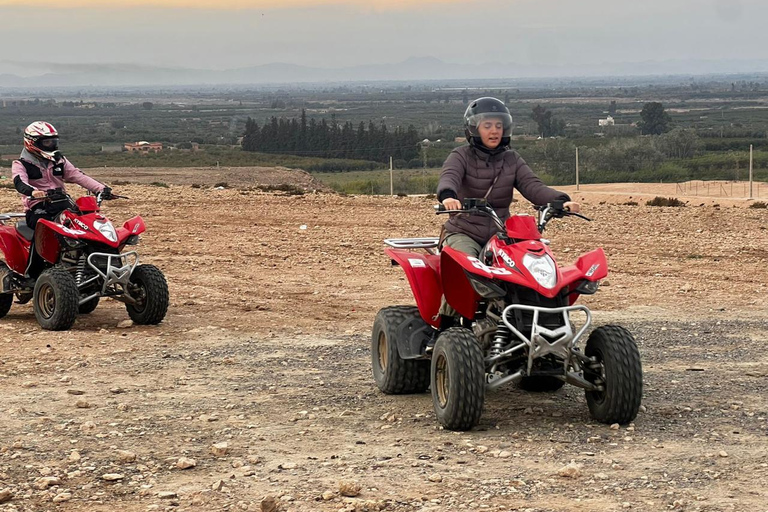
[(605, 122)]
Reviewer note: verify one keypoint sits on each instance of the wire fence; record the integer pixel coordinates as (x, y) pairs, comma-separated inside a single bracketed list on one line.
[(737, 189)]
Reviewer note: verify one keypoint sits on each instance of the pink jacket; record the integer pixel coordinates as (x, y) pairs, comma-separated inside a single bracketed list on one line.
[(47, 181)]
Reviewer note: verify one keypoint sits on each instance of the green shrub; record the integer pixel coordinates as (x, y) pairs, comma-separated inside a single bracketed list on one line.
[(159, 184), (665, 201), (759, 204)]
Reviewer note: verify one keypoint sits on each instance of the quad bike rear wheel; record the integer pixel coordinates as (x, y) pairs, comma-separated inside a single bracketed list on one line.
[(6, 299), (56, 299), (458, 379), (88, 307), (541, 383), (150, 290), (394, 375), (617, 368)]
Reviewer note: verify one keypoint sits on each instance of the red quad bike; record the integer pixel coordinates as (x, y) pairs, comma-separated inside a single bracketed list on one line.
[(66, 266), (515, 306)]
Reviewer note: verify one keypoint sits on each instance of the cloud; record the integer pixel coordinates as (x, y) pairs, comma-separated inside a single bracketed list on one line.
[(231, 4)]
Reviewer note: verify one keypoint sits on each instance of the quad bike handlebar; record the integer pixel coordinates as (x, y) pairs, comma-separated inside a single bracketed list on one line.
[(57, 195), (479, 206)]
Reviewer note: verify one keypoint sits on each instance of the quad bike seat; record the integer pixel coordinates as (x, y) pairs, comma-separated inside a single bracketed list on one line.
[(24, 230)]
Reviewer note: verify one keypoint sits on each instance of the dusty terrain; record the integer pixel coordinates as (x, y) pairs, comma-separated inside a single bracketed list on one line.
[(266, 348)]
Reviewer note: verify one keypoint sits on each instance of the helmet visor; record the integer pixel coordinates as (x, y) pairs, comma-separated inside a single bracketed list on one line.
[(489, 120), (48, 144)]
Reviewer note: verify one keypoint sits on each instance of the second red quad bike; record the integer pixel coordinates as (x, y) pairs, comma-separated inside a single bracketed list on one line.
[(65, 266), (517, 324)]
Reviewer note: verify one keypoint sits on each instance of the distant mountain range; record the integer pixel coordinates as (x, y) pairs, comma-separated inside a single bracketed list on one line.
[(413, 69)]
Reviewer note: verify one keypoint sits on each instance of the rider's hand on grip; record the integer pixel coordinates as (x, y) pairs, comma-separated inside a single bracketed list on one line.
[(451, 203)]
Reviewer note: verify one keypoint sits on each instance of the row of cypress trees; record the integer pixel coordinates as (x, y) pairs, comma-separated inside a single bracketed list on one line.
[(331, 139)]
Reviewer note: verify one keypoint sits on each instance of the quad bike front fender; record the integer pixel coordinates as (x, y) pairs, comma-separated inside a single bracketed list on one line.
[(591, 266), (422, 271), (14, 251)]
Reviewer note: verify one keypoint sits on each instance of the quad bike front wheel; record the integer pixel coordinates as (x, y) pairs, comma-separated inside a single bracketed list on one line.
[(55, 299), (617, 368), (394, 375), (458, 379), (150, 290)]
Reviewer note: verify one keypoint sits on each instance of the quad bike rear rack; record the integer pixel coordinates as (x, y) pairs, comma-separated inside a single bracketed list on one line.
[(412, 243)]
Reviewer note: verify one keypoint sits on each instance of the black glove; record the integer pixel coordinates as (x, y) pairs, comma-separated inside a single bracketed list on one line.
[(106, 194)]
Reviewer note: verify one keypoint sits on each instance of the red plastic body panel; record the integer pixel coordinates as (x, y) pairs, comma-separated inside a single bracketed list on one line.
[(522, 227), (422, 271), (457, 288), (87, 204), (15, 249), (135, 225)]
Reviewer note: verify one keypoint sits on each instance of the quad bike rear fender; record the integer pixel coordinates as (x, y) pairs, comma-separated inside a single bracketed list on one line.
[(422, 271), (14, 250)]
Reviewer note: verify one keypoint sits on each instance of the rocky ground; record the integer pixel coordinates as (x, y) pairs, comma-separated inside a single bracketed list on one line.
[(255, 393)]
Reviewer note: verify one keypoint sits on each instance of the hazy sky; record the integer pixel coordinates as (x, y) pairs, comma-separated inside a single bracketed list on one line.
[(333, 33)]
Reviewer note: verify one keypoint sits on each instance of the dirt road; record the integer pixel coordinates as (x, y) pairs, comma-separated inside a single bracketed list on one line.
[(266, 348)]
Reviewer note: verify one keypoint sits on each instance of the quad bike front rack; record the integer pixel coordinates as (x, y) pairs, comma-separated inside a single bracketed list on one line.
[(113, 275), (540, 342)]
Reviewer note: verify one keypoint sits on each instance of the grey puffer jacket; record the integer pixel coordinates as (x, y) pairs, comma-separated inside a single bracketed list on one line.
[(468, 172)]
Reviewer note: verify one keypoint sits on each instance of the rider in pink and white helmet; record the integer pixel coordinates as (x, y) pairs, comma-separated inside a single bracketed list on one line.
[(42, 140)]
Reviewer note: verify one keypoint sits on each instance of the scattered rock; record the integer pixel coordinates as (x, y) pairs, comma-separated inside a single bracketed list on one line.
[(112, 477), (186, 463), (349, 488), (436, 477), (504, 454), (723, 453), (83, 404), (74, 456), (615, 426), (328, 495), (166, 495), (217, 485), (62, 497), (76, 392), (572, 470), (220, 449), (126, 456), (125, 324), (288, 465), (5, 495), (45, 482), (270, 504)]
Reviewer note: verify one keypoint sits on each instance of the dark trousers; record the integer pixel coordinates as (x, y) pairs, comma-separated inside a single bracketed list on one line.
[(42, 211)]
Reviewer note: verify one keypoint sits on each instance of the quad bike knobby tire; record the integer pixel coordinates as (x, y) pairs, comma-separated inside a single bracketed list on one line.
[(458, 379), (88, 307), (541, 383), (394, 375), (150, 289), (619, 371), (55, 299), (6, 299)]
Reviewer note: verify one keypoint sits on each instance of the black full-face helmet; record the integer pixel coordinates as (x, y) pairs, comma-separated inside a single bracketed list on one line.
[(482, 109)]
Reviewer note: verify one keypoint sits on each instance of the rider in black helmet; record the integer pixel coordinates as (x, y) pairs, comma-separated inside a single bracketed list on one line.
[(487, 168), (480, 112)]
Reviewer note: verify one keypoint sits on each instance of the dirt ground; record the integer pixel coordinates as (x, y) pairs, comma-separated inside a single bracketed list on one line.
[(266, 347)]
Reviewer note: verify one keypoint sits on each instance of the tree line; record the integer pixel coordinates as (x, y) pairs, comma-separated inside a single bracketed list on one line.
[(329, 139)]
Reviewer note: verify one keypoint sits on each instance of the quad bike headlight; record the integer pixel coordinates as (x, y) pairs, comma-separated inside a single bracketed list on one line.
[(542, 268), (107, 229)]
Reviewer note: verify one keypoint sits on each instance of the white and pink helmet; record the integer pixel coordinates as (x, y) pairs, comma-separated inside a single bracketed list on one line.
[(42, 140)]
